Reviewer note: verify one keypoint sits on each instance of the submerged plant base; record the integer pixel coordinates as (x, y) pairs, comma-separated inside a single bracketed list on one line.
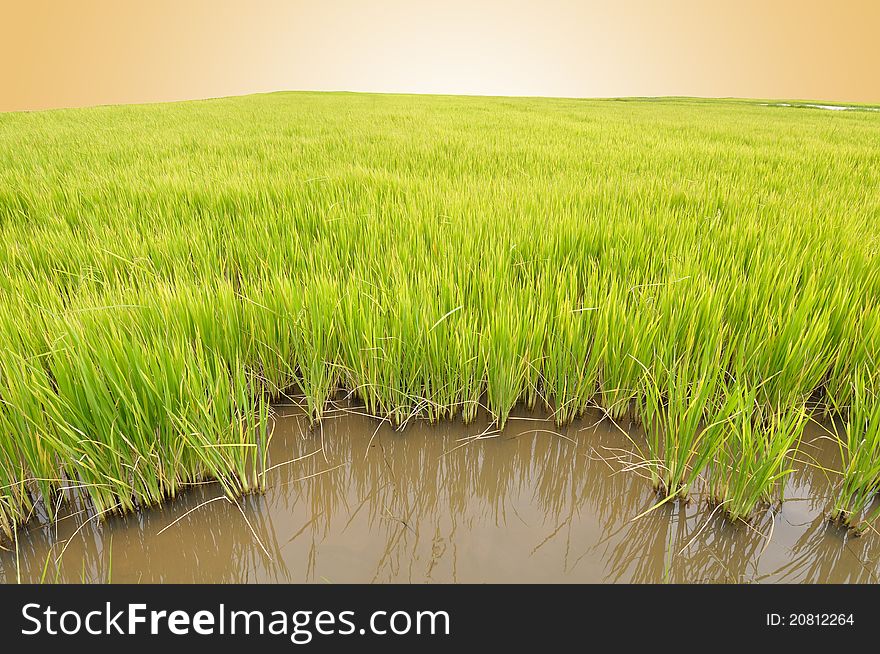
[(854, 526)]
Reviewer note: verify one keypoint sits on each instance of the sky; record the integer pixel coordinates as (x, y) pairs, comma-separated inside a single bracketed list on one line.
[(61, 53)]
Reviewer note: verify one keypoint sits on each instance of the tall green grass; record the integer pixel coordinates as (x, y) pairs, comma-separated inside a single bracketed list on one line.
[(169, 269)]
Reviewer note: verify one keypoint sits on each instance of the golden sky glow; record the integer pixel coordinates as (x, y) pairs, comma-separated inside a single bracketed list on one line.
[(59, 53)]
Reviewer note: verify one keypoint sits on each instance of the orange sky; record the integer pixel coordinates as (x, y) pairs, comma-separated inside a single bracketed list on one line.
[(59, 53)]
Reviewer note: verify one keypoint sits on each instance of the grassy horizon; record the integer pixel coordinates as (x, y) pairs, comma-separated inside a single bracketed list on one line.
[(695, 99), (709, 269)]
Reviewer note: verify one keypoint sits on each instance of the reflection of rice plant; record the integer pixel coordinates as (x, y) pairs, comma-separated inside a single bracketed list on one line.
[(167, 269)]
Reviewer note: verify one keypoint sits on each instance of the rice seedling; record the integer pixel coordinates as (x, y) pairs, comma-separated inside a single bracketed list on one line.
[(700, 268), (861, 455), (755, 449)]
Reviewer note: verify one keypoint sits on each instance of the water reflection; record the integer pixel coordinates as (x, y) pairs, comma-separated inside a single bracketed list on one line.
[(355, 501)]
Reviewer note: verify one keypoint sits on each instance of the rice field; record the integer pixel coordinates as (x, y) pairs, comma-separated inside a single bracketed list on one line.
[(706, 270)]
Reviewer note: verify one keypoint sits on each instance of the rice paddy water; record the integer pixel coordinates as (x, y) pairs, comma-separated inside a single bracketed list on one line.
[(355, 500)]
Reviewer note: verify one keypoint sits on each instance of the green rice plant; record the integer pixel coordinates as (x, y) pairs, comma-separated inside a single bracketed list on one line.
[(27, 466), (626, 328), (317, 339), (680, 383), (754, 452), (570, 366), (676, 450), (858, 359), (786, 351), (861, 457)]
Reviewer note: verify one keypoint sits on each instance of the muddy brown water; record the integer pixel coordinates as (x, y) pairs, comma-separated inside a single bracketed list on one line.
[(438, 503)]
